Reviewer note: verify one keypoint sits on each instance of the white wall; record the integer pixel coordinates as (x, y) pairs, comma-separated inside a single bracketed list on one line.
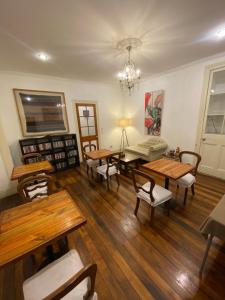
[(6, 165), (183, 91), (108, 99)]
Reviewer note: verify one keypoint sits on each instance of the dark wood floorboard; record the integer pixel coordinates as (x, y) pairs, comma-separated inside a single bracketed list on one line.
[(135, 260)]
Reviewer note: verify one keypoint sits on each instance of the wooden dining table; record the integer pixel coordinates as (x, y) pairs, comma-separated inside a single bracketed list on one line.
[(37, 224), (170, 169), (20, 171), (100, 154)]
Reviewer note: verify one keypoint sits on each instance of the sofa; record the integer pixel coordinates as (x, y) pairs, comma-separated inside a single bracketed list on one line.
[(151, 149)]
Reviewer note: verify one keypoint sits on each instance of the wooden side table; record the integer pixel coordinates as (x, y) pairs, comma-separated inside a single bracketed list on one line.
[(128, 160)]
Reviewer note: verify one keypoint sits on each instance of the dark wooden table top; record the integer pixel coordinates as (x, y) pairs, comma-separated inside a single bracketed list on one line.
[(169, 168), (129, 157), (32, 168), (100, 154), (37, 224)]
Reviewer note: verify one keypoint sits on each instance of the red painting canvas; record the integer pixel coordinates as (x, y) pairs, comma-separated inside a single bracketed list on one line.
[(153, 112)]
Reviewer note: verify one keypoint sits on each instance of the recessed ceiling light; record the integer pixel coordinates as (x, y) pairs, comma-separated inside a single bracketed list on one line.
[(42, 56), (28, 98), (221, 33)]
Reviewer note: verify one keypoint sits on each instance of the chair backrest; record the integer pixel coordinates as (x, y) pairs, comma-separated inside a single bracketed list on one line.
[(138, 187), (89, 272), (35, 186), (194, 154), (88, 148), (31, 157)]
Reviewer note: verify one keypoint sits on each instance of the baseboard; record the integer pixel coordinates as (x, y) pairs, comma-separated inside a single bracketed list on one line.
[(8, 192)]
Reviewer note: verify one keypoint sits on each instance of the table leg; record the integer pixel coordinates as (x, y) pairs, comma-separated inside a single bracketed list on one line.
[(171, 203), (50, 253), (206, 253), (167, 183)]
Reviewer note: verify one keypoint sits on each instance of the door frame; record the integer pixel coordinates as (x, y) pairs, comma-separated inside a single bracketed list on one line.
[(74, 102), (204, 100)]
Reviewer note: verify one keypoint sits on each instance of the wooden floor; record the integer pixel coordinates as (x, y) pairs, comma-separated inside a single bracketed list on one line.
[(136, 261)]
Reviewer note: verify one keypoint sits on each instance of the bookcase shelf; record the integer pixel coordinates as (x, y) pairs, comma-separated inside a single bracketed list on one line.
[(60, 150)]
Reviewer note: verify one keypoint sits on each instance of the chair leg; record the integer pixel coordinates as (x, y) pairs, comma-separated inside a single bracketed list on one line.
[(117, 179), (92, 172), (193, 189), (107, 183), (185, 195), (87, 169), (152, 214), (137, 206), (168, 207)]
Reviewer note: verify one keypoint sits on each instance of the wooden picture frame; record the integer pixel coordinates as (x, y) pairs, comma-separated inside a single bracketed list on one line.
[(41, 112)]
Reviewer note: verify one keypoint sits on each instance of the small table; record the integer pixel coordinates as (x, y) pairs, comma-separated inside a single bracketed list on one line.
[(25, 228), (100, 154), (214, 225), (171, 169), (29, 169), (129, 159)]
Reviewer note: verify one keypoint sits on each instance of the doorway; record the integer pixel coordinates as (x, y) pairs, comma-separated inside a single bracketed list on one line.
[(212, 137), (87, 124)]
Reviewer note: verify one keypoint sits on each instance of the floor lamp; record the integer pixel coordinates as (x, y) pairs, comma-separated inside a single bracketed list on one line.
[(124, 140)]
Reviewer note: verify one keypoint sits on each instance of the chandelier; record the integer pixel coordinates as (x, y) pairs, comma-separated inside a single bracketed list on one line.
[(129, 76)]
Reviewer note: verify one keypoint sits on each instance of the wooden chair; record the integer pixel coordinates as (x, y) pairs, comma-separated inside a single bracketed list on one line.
[(91, 164), (31, 157), (150, 192), (189, 179), (35, 187), (112, 167), (66, 276)]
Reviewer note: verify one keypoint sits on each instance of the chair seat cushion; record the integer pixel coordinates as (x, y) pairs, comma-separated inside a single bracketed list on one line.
[(102, 170), (92, 163), (160, 194), (53, 276), (187, 180)]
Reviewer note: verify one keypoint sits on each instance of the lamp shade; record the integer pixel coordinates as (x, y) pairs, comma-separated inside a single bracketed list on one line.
[(124, 122)]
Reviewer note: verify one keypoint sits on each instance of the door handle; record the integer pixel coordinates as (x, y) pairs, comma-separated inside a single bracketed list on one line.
[(203, 139)]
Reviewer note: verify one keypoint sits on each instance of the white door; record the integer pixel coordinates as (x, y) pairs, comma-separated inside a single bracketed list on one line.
[(212, 145)]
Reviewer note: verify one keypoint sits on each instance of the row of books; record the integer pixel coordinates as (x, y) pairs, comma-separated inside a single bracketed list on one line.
[(29, 149), (69, 142), (58, 144), (60, 155), (72, 161), (61, 165), (72, 153), (45, 146), (48, 157)]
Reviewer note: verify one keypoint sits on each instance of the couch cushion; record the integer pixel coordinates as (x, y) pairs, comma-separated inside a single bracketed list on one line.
[(54, 275), (160, 194), (138, 150)]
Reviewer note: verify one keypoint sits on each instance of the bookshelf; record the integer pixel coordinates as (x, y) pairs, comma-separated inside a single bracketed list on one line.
[(60, 150)]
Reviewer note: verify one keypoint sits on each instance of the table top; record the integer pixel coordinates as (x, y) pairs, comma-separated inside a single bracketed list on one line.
[(32, 168), (214, 224), (129, 157), (36, 224), (99, 154), (169, 168)]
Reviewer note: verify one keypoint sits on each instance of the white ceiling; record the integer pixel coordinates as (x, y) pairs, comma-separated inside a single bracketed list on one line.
[(80, 35)]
